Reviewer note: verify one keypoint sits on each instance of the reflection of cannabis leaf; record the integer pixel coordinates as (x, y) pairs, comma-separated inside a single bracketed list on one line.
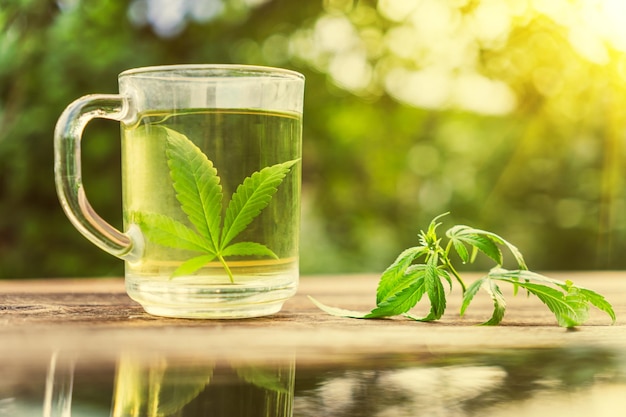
[(199, 193), (172, 388), (267, 378), (159, 389)]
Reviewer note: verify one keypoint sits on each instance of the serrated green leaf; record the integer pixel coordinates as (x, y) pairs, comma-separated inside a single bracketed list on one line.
[(591, 297), (166, 231), (460, 231), (568, 312), (445, 275), (578, 302), (435, 291), (461, 250), (518, 277), (598, 301), (197, 185), (486, 246), (437, 296), (248, 249), (192, 265), (499, 304), (393, 278), (469, 294), (393, 305), (252, 196), (404, 299), (460, 235), (400, 303)]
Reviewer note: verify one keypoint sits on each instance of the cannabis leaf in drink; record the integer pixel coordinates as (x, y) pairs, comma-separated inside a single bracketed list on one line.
[(199, 192), (424, 269)]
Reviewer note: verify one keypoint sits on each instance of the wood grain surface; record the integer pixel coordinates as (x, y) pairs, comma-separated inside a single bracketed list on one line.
[(95, 319)]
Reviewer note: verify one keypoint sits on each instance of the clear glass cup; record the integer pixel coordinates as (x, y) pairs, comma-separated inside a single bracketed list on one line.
[(211, 174)]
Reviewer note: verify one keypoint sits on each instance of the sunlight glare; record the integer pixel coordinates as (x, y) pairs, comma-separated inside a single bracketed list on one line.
[(396, 10), (402, 41), (588, 44), (428, 88), (491, 21), (334, 33), (434, 20), (593, 25), (346, 56), (560, 11), (613, 21), (351, 70), (482, 95)]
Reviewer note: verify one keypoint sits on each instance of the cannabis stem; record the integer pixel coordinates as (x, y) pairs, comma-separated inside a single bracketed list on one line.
[(456, 275), (226, 268), (451, 268)]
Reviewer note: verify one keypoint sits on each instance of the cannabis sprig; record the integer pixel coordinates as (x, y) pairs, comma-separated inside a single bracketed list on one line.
[(199, 192), (424, 269)]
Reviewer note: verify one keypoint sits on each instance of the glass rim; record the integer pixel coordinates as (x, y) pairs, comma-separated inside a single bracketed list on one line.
[(187, 71)]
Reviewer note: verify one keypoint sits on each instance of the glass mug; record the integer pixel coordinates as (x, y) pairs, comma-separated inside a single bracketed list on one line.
[(211, 177)]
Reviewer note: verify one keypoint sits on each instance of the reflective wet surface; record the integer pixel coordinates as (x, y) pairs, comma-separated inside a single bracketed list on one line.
[(85, 349), (576, 381)]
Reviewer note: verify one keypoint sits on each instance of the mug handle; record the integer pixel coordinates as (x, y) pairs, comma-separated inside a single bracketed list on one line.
[(68, 178)]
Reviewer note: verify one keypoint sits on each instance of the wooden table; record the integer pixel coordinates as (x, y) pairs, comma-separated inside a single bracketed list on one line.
[(95, 318), (67, 344)]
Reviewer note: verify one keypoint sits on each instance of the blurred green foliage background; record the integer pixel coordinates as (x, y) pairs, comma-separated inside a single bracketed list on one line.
[(510, 114)]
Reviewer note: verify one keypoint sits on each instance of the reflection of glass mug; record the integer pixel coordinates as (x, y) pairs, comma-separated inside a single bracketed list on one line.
[(211, 186), (169, 388), (148, 385)]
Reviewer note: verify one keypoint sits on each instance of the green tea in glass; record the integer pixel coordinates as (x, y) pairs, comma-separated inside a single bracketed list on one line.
[(211, 163)]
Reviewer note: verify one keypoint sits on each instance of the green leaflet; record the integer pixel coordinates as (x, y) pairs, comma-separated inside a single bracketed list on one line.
[(499, 305), (405, 295), (484, 241), (491, 287), (199, 192), (598, 301), (192, 265), (197, 186), (470, 293), (435, 290), (462, 235), (423, 269), (568, 303), (168, 232), (394, 279)]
